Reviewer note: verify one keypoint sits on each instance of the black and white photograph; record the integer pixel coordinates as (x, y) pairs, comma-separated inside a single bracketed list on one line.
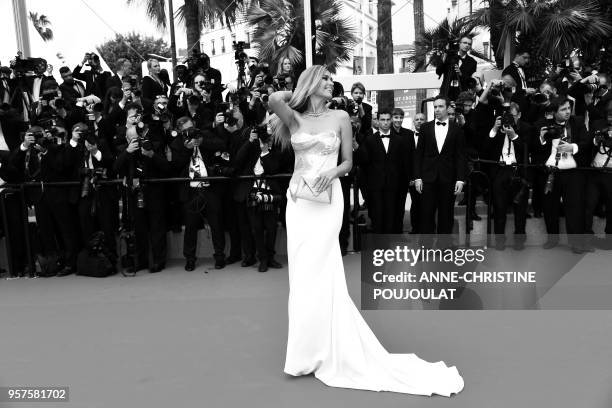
[(298, 203)]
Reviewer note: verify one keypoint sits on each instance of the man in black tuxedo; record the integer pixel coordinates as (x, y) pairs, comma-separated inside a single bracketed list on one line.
[(91, 159), (261, 197), (407, 138), (95, 78), (384, 157), (566, 145), (439, 169), (71, 90), (457, 69), (123, 70), (517, 71), (194, 157), (507, 144), (415, 197)]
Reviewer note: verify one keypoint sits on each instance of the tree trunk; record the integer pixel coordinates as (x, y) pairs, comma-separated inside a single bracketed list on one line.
[(497, 12), (384, 50), (192, 25), (419, 29)]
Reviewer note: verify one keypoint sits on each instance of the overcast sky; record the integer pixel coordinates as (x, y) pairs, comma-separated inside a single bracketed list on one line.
[(78, 29)]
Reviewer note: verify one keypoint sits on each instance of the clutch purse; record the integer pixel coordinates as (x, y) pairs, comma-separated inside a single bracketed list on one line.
[(306, 191)]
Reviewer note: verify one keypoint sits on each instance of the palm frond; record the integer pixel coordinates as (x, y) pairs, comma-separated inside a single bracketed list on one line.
[(155, 10)]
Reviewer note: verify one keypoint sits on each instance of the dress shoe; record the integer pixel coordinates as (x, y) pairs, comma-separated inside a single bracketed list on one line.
[(134, 269), (231, 259), (551, 243), (577, 249), (248, 262), (219, 264), (273, 263), (263, 266), (157, 268), (475, 216), (190, 265), (68, 270)]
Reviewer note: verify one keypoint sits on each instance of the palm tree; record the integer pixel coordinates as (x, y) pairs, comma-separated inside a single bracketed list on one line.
[(41, 24), (195, 14), (554, 28), (433, 43), (384, 50), (279, 32), (419, 31)]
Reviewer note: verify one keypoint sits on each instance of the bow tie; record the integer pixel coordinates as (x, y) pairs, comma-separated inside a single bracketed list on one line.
[(385, 135), (440, 124)]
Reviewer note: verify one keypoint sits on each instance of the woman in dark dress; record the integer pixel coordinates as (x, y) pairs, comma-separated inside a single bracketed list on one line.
[(152, 84)]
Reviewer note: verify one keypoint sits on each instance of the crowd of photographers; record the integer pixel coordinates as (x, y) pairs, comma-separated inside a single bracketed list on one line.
[(550, 135), (108, 135)]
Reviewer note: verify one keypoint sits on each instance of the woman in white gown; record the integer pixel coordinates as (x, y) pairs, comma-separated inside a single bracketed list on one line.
[(327, 334)]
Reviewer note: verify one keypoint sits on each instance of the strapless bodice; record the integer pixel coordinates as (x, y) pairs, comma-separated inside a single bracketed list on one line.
[(314, 153)]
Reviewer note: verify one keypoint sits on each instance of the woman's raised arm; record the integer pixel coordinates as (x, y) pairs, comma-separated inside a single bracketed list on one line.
[(278, 102)]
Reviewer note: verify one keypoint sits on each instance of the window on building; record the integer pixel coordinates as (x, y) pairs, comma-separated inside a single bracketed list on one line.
[(454, 3), (485, 47), (212, 42), (222, 45), (248, 38), (370, 6), (370, 29)]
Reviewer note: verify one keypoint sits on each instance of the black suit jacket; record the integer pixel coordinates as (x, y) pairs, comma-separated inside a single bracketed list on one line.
[(512, 70), (113, 81), (94, 83), (580, 136), (181, 156), (245, 161), (366, 121), (75, 160), (496, 144), (384, 171), (467, 69), (69, 94), (447, 166)]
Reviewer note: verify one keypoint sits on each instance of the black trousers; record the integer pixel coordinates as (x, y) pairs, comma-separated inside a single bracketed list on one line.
[(570, 186), (263, 227), (105, 217), (230, 221), (203, 202), (15, 232), (345, 229), (400, 210), (539, 181), (149, 225), (437, 197), (247, 241), (57, 225), (504, 189), (415, 210), (382, 206), (599, 185)]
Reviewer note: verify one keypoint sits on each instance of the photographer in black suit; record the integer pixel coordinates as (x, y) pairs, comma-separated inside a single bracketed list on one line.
[(194, 156), (143, 156), (383, 155), (566, 144), (72, 90), (439, 169), (457, 68), (261, 197), (508, 141), (95, 78)]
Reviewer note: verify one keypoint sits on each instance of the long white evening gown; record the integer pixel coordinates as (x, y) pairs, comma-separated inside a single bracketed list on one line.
[(327, 334)]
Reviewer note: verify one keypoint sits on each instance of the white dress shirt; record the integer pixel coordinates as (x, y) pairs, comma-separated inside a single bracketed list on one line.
[(196, 164), (441, 132), (566, 160), (507, 155), (416, 138), (36, 89), (385, 140)]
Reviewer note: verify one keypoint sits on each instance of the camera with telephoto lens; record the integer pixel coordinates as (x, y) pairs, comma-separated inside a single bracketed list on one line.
[(341, 104), (143, 139), (228, 116), (539, 98), (91, 179), (500, 89), (507, 119), (262, 133), (161, 113), (602, 136), (190, 134), (40, 138), (553, 131)]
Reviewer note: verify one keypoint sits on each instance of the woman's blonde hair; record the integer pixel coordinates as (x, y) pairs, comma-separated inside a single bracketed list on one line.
[(279, 68), (307, 85)]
